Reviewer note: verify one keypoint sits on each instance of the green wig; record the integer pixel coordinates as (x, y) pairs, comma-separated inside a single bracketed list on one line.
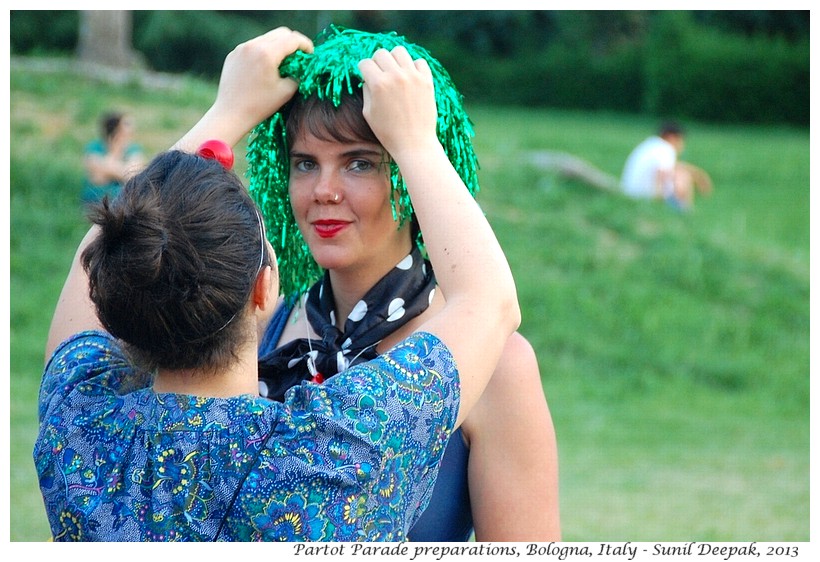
[(330, 72)]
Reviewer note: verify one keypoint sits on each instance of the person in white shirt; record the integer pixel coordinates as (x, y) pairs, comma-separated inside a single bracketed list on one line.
[(653, 171)]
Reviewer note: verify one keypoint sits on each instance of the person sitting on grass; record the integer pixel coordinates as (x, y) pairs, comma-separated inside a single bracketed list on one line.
[(110, 160), (653, 170)]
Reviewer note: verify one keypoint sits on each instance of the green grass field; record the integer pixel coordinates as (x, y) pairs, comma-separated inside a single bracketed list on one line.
[(674, 349)]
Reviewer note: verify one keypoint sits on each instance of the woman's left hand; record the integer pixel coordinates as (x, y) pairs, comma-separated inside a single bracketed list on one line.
[(399, 100)]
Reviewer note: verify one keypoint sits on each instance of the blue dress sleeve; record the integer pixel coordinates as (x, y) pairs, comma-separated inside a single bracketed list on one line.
[(92, 359), (380, 428)]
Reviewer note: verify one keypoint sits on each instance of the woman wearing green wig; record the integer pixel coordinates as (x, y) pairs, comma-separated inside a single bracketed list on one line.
[(355, 280)]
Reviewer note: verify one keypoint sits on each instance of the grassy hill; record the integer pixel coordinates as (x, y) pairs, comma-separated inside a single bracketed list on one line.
[(673, 348)]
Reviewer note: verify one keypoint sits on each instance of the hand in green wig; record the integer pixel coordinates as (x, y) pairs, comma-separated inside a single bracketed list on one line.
[(331, 72)]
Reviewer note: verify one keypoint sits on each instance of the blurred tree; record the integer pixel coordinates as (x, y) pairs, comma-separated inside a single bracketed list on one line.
[(723, 64), (26, 31), (105, 38), (485, 33), (599, 33), (793, 25)]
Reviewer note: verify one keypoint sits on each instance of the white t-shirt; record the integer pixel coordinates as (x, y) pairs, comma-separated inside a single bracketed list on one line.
[(642, 165)]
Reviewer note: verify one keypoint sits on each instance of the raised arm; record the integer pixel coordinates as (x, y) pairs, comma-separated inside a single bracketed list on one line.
[(481, 308), (250, 90)]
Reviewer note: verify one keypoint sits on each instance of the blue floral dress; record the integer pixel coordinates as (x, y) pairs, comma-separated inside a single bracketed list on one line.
[(353, 459)]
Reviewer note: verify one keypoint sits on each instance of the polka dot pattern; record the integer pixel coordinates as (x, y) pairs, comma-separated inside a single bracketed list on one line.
[(401, 295)]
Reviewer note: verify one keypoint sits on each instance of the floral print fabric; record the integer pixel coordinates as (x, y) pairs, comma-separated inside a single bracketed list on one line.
[(353, 459)]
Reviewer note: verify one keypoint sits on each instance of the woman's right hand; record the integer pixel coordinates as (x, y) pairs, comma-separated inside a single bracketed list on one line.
[(250, 88)]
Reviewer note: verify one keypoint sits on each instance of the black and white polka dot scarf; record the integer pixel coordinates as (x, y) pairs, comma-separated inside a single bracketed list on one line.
[(401, 295)]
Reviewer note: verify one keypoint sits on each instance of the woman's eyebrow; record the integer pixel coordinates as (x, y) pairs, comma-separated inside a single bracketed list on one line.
[(362, 152), (352, 153)]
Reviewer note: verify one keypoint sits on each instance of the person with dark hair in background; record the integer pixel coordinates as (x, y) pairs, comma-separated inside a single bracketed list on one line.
[(111, 159), (151, 426)]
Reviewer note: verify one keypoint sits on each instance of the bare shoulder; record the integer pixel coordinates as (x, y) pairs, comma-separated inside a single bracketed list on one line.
[(512, 440), (518, 348), (518, 365), (514, 387)]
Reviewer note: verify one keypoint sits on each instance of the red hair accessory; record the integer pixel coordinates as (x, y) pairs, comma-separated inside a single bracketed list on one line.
[(217, 150)]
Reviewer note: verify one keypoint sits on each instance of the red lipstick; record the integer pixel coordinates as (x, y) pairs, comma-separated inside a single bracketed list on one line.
[(329, 228)]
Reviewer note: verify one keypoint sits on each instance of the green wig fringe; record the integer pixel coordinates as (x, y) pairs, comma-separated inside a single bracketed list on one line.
[(330, 72)]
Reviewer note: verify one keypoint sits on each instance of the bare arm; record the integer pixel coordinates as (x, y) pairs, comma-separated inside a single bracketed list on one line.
[(104, 168), (481, 308), (250, 88), (513, 467), (74, 311), (664, 182), (700, 178)]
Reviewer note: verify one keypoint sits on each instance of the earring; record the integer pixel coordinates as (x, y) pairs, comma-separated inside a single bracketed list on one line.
[(335, 197)]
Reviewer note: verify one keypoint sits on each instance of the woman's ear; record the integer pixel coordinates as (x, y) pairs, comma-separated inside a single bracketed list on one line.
[(265, 298), (265, 289)]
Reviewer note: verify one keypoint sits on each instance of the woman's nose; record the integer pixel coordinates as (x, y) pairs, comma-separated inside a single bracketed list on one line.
[(326, 189)]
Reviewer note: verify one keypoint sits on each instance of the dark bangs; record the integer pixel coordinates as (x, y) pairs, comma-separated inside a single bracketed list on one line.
[(323, 120)]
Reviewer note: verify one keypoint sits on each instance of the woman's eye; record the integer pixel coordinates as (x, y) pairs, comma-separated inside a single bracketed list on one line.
[(360, 165), (303, 165)]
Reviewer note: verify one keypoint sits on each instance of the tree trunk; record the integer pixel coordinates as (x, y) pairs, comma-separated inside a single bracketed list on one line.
[(105, 38), (573, 167)]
